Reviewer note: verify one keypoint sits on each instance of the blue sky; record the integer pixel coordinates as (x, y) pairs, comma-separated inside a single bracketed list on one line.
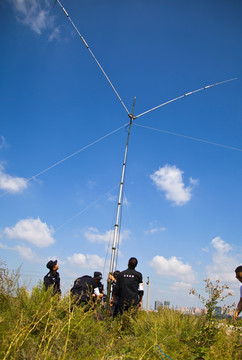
[(182, 197)]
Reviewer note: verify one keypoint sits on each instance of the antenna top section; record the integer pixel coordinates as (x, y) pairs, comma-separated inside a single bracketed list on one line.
[(132, 117)]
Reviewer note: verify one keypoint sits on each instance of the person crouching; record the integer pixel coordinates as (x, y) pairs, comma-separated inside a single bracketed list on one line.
[(84, 291)]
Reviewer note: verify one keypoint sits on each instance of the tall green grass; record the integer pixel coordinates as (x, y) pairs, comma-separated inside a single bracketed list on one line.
[(37, 325)]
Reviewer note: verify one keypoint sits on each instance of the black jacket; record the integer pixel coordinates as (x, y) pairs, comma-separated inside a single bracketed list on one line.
[(128, 287), (53, 279), (83, 289)]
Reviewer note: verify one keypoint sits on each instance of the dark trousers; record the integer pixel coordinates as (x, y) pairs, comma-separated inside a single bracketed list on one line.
[(122, 307)]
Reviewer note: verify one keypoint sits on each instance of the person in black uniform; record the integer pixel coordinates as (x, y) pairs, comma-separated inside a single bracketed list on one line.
[(85, 289), (98, 277), (52, 279), (129, 288)]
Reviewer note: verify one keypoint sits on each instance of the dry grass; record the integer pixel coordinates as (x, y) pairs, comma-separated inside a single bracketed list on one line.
[(38, 326)]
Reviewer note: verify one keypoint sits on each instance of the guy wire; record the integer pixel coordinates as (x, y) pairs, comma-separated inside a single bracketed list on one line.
[(87, 207), (67, 157), (189, 137)]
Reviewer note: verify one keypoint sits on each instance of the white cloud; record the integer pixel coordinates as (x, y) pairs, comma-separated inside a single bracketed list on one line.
[(77, 260), (223, 264), (2, 142), (169, 179), (54, 34), (27, 254), (2, 246), (32, 230), (91, 184), (35, 14), (181, 285), (220, 245), (155, 230), (114, 198), (125, 201), (93, 235), (193, 181), (24, 252), (173, 267), (86, 261), (10, 183)]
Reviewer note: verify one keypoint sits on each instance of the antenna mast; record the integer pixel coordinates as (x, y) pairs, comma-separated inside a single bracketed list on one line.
[(148, 294), (117, 222), (116, 226)]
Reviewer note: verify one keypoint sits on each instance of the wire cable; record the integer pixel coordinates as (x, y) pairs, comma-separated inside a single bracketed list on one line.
[(88, 48), (160, 352), (189, 137), (87, 207), (68, 157), (184, 95)]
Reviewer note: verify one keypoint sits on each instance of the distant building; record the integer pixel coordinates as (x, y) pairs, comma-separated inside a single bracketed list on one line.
[(157, 305), (166, 303), (197, 311), (218, 310), (190, 310)]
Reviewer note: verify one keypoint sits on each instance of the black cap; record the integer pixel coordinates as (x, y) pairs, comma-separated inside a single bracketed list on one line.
[(115, 274), (97, 275), (51, 264)]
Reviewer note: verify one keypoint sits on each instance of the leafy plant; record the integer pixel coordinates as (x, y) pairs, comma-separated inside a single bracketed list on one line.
[(205, 337)]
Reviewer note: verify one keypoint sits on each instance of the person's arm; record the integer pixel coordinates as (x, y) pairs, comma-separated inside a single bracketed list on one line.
[(238, 309), (47, 281), (113, 293), (140, 301), (58, 289), (101, 289), (111, 278), (116, 287)]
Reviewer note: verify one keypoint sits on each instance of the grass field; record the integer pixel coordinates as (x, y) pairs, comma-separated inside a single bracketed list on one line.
[(37, 325)]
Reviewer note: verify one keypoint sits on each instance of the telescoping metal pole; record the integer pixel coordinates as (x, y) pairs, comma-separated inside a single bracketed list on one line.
[(117, 222), (148, 294)]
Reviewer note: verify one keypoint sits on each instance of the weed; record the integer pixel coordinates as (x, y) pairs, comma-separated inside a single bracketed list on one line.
[(206, 335)]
